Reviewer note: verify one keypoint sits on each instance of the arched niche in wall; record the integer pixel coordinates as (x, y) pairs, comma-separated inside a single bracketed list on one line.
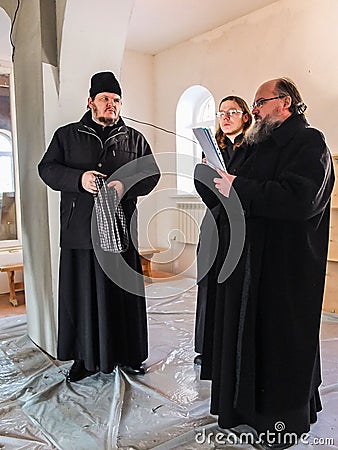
[(195, 108)]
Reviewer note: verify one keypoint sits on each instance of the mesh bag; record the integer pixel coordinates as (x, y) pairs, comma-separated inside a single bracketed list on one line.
[(110, 218)]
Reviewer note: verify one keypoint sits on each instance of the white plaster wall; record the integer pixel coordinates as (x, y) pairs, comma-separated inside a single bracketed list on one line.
[(156, 220), (90, 43), (288, 38), (295, 39), (5, 45), (137, 82), (138, 88)]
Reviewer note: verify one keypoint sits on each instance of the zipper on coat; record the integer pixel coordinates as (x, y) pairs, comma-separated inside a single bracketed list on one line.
[(71, 213), (113, 137), (91, 134)]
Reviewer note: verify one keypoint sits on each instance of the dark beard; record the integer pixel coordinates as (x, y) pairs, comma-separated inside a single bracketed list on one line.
[(104, 121), (101, 120), (261, 131)]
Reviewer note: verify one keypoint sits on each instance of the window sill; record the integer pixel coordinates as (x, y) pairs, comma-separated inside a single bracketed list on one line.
[(185, 195), (10, 248)]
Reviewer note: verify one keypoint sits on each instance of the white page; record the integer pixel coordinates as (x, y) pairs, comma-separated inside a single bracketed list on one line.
[(210, 148)]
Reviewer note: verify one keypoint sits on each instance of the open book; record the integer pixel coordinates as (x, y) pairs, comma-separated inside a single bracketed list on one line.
[(210, 148)]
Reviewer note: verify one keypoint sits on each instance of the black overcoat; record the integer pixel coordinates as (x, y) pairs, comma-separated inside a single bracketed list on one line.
[(214, 231), (76, 148), (263, 354), (100, 321)]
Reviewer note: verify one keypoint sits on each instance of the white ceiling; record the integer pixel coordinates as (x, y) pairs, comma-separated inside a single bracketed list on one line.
[(156, 25)]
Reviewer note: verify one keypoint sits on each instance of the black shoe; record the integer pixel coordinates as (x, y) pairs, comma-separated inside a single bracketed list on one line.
[(134, 370), (78, 372), (198, 360)]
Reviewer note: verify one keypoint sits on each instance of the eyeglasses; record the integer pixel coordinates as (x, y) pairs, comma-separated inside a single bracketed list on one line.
[(228, 114), (259, 103)]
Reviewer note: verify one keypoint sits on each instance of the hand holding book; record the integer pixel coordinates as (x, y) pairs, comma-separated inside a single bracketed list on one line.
[(224, 183)]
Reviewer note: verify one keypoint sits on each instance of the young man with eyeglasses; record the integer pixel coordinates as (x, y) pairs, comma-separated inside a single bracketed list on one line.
[(264, 354), (234, 121)]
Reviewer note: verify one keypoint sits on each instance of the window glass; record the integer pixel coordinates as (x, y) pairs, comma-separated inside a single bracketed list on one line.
[(206, 112), (196, 108), (8, 206), (6, 163)]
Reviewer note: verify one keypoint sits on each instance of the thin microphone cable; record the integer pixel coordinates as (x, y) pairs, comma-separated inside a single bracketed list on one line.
[(12, 29), (160, 128)]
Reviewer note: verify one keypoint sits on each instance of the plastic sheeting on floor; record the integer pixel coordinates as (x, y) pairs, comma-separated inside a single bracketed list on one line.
[(167, 408)]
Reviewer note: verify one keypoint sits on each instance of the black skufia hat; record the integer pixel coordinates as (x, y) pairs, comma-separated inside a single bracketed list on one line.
[(104, 82)]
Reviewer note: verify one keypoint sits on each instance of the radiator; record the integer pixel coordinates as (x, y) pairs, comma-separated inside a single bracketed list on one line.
[(190, 215)]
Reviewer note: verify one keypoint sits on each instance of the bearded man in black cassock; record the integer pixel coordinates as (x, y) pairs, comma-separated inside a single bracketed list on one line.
[(102, 323), (261, 346)]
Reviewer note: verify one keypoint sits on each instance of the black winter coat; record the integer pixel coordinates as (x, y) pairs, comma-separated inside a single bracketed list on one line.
[(214, 237), (76, 148), (101, 321), (263, 355)]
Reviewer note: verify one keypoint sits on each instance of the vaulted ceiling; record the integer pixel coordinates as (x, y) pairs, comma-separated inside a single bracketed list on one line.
[(156, 25)]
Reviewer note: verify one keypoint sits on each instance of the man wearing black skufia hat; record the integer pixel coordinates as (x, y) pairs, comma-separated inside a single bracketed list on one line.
[(102, 324)]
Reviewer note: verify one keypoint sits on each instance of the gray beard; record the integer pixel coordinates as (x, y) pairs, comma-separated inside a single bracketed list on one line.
[(261, 131)]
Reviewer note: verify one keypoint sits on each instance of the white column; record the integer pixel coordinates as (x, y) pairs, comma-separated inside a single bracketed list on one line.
[(91, 39)]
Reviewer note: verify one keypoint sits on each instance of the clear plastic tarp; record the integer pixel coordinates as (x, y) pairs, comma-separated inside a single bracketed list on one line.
[(167, 408)]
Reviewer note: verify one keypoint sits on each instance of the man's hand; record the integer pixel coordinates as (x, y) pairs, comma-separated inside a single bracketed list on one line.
[(88, 180), (118, 186), (224, 183)]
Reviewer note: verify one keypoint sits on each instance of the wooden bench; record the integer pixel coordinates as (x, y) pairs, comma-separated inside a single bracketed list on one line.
[(11, 269), (146, 254)]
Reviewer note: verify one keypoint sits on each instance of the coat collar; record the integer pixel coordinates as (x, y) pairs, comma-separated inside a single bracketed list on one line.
[(87, 120), (237, 139), (288, 129)]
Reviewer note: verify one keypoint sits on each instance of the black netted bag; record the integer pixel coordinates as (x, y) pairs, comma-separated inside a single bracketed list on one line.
[(110, 218)]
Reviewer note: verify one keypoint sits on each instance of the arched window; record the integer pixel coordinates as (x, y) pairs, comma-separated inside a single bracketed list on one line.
[(206, 116), (195, 108), (6, 162), (9, 229)]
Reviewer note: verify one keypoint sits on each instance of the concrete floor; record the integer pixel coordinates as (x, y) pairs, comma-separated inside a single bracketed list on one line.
[(168, 408), (7, 309)]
